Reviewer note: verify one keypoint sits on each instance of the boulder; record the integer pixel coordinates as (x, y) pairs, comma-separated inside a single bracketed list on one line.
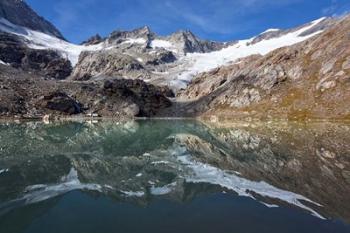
[(61, 102)]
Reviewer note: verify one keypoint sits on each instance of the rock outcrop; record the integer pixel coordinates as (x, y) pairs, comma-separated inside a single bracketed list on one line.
[(107, 63), (187, 42), (61, 102)]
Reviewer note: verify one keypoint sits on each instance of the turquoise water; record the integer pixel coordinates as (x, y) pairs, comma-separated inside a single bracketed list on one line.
[(174, 176)]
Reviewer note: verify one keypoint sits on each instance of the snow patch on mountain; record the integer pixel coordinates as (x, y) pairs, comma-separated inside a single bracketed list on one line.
[(135, 41), (39, 40), (158, 43), (203, 62), (271, 30)]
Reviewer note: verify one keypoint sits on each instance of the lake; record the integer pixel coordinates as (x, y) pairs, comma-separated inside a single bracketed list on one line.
[(174, 176)]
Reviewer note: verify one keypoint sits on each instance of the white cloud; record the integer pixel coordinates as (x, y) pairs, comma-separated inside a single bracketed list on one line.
[(336, 7), (69, 13), (331, 9), (206, 16)]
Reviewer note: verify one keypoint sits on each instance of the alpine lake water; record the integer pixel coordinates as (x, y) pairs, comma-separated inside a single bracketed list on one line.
[(174, 176)]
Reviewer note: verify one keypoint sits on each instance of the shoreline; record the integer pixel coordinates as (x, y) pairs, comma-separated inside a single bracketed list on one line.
[(212, 119)]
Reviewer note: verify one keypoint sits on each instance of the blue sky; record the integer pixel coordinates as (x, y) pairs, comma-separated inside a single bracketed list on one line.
[(220, 20)]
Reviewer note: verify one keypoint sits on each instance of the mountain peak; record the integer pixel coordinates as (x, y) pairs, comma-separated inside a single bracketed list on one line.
[(18, 12), (183, 33), (142, 32), (145, 29), (93, 40)]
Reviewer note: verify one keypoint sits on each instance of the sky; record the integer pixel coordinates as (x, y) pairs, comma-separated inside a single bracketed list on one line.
[(219, 20)]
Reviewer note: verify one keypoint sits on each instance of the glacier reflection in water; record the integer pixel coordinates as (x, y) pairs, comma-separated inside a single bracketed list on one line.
[(301, 168)]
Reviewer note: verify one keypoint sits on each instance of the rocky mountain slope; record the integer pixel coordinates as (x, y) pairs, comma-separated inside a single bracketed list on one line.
[(307, 80), (294, 73), (14, 52), (19, 13)]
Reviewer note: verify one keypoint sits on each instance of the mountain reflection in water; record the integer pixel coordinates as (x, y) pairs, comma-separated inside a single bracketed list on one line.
[(299, 168)]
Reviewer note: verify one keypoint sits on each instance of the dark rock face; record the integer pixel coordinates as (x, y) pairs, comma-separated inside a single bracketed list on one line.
[(166, 91), (45, 62), (162, 58), (61, 102), (19, 13), (148, 98), (96, 39), (12, 49), (25, 94)]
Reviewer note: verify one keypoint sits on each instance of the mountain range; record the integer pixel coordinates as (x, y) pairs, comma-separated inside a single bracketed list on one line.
[(298, 73)]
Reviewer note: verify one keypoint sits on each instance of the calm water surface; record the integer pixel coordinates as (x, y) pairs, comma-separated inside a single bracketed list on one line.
[(174, 176)]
